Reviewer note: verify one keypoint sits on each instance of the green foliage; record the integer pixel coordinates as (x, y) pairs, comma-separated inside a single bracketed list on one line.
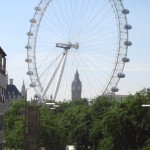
[(50, 133), (105, 144), (147, 145), (101, 124), (14, 124)]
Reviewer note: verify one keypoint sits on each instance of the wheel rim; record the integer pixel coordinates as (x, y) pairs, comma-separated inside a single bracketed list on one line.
[(97, 26)]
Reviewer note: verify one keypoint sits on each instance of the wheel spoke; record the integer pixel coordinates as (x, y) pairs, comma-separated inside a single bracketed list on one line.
[(84, 35)]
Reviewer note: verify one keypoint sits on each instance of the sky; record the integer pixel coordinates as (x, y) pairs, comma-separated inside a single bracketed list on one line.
[(14, 25)]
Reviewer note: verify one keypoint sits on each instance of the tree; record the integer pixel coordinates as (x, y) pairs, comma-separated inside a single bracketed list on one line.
[(99, 106), (147, 145), (75, 122), (101, 124), (14, 124), (50, 132), (127, 124)]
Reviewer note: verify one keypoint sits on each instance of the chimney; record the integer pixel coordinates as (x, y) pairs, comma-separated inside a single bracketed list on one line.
[(11, 81)]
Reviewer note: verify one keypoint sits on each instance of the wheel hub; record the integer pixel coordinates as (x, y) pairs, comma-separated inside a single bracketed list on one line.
[(68, 45)]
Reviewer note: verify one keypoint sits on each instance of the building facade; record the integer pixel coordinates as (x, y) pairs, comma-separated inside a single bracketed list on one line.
[(3, 81), (76, 87), (12, 93)]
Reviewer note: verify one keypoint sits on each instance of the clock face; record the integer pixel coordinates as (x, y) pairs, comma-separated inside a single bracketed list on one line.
[(78, 87), (73, 88)]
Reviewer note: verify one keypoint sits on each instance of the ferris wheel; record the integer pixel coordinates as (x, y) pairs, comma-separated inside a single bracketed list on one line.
[(66, 36)]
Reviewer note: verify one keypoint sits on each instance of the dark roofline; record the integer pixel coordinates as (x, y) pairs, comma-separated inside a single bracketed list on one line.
[(12, 89), (2, 52)]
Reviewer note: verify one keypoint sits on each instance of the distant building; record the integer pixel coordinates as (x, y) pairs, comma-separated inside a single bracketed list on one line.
[(3, 81), (120, 98), (115, 97), (76, 87), (12, 93)]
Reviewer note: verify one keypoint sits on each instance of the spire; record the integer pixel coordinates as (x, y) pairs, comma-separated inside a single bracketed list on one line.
[(77, 75), (23, 86), (23, 91)]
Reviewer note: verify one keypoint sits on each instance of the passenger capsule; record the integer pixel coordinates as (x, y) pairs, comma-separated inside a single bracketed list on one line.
[(37, 96), (114, 89), (125, 11), (30, 73), (28, 47), (32, 84), (37, 8), (125, 59), (121, 75), (30, 33), (128, 43), (128, 27), (28, 60), (33, 21)]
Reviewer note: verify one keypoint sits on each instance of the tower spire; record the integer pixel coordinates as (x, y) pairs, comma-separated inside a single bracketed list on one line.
[(76, 87), (77, 74), (23, 91)]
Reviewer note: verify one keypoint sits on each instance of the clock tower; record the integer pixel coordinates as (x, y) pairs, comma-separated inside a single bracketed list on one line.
[(76, 87)]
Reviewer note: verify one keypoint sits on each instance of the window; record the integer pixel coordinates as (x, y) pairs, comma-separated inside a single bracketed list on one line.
[(1, 122)]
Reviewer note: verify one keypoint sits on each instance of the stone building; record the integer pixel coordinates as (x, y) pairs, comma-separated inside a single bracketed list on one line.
[(76, 87), (3, 80), (12, 93)]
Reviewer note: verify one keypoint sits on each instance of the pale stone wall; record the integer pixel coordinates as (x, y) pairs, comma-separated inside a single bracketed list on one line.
[(3, 80), (2, 106)]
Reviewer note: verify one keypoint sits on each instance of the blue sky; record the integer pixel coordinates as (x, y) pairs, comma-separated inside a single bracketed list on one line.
[(14, 25), (138, 70)]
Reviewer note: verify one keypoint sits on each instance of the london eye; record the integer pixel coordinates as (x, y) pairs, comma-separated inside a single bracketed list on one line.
[(91, 36)]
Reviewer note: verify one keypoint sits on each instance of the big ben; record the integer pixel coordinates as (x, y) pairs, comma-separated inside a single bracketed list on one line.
[(76, 87)]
